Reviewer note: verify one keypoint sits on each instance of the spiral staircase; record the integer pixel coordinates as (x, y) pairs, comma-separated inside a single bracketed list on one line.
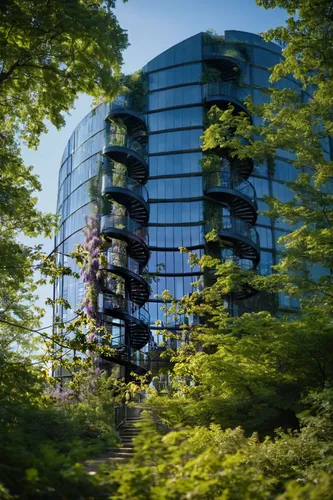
[(227, 189), (123, 226)]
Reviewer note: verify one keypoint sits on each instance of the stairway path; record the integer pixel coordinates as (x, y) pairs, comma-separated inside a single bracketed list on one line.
[(117, 454)]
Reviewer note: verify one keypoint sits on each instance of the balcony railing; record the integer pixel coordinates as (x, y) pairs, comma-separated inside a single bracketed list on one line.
[(121, 259), (122, 222), (224, 89), (236, 226), (226, 180), (123, 140), (116, 302), (119, 180), (125, 101)]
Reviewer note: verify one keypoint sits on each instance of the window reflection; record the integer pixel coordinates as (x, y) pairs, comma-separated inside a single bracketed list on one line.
[(175, 141), (183, 163), (175, 97), (190, 73), (176, 118)]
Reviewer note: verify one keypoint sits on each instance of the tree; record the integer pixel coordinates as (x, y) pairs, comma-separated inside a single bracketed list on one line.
[(49, 53)]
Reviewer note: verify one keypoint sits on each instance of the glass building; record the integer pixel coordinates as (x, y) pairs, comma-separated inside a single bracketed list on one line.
[(145, 169)]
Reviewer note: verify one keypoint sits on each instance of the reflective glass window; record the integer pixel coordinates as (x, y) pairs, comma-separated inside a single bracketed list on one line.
[(261, 77), (263, 219), (265, 235), (284, 171), (176, 212), (262, 57), (190, 73), (185, 51), (173, 141), (175, 97), (176, 118), (176, 236), (175, 164), (278, 233), (282, 192), (261, 186), (266, 262), (92, 146), (173, 188)]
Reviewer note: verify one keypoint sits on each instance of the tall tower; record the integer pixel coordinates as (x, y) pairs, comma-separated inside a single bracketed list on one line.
[(157, 196)]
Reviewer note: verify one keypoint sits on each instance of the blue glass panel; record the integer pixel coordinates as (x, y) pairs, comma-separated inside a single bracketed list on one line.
[(281, 192), (178, 118), (190, 73), (175, 97), (262, 57), (284, 171), (174, 141)]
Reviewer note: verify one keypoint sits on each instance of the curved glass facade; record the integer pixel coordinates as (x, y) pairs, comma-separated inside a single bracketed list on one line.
[(180, 200)]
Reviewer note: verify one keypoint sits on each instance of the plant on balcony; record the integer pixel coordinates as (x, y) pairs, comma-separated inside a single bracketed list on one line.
[(212, 37), (135, 85), (117, 133), (119, 175), (225, 49), (210, 75)]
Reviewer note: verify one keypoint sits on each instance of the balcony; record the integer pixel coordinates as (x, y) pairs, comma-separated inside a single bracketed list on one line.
[(130, 152), (224, 51), (120, 264), (135, 361), (234, 192), (128, 192), (136, 318), (224, 93), (122, 108), (238, 235), (121, 227)]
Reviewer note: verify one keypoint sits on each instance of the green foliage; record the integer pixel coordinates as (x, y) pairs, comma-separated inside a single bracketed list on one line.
[(41, 445), (211, 37), (210, 74), (135, 85), (50, 53), (208, 462)]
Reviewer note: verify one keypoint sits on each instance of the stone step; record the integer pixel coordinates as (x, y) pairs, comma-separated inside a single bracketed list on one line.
[(125, 449), (126, 454)]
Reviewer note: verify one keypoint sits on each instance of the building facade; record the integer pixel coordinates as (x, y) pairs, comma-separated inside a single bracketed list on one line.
[(145, 168)]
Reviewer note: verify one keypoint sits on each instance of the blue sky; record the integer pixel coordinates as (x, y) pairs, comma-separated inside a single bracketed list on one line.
[(153, 26)]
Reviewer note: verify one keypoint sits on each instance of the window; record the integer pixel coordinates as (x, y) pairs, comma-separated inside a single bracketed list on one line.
[(175, 188), (284, 171), (176, 118), (176, 212), (261, 186), (190, 73), (176, 236), (175, 164), (282, 192), (265, 236), (186, 51), (175, 97), (173, 141)]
